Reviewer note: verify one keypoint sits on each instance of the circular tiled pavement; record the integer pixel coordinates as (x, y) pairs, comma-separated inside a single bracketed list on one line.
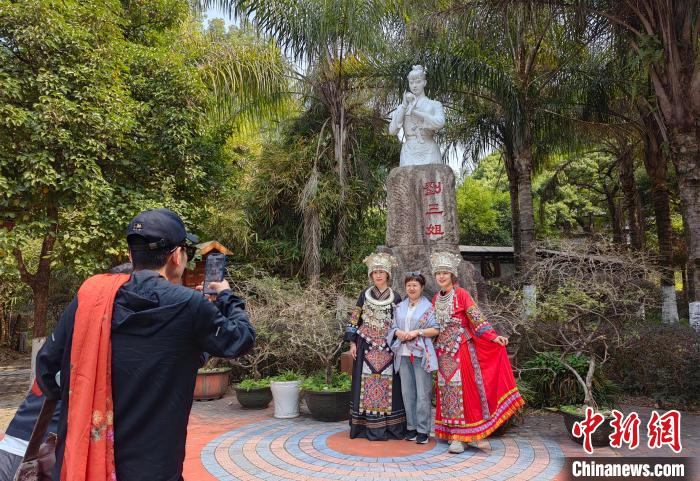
[(299, 449)]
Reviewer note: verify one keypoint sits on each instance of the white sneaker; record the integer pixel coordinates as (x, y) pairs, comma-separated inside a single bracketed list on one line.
[(456, 447)]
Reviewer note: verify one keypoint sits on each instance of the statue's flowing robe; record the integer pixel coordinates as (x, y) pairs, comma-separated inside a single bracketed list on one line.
[(419, 145)]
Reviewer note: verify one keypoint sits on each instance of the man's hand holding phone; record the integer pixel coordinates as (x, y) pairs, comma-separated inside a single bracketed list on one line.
[(214, 286)]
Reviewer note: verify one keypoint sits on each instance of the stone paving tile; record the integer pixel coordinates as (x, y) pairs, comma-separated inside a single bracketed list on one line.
[(227, 442), (247, 445)]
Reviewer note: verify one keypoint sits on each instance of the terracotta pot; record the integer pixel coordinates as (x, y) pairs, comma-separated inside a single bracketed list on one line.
[(328, 406), (255, 398), (211, 384)]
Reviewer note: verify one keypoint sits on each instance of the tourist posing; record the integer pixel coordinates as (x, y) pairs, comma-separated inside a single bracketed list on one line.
[(476, 388), (377, 411), (414, 356)]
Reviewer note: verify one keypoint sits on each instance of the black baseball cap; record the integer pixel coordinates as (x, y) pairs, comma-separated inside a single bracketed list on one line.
[(161, 228)]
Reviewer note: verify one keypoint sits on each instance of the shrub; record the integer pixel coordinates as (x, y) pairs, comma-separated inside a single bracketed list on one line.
[(287, 376), (553, 384), (661, 361), (591, 298), (249, 384), (340, 381), (265, 297), (320, 316)]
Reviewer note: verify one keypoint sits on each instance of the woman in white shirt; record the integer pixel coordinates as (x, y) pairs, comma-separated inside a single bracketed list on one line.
[(414, 356)]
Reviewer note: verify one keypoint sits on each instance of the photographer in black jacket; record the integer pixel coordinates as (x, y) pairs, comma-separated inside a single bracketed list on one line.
[(158, 331)]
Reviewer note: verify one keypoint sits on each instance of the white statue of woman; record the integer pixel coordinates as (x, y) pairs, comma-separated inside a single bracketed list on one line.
[(420, 118)]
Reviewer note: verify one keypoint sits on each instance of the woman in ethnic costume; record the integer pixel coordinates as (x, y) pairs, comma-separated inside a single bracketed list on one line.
[(476, 388), (414, 356), (377, 411)]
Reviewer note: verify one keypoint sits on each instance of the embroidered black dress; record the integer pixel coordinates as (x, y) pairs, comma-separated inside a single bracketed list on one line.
[(377, 411)]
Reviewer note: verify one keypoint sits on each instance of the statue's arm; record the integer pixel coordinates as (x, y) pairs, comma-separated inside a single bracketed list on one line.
[(397, 120), (433, 119)]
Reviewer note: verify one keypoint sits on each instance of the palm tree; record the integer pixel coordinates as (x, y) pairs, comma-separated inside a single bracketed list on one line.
[(326, 39), (246, 76), (665, 37), (525, 64)]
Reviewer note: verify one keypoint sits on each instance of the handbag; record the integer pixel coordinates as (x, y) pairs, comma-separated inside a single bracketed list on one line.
[(39, 458)]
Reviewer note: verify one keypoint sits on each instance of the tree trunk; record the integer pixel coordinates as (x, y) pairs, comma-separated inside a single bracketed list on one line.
[(656, 164), (615, 214), (688, 275), (526, 216), (589, 400), (514, 208), (4, 327), (39, 281), (311, 231), (685, 151), (340, 136), (632, 200), (312, 245), (329, 373)]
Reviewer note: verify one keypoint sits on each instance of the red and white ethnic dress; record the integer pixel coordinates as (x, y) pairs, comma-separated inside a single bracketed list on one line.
[(476, 390)]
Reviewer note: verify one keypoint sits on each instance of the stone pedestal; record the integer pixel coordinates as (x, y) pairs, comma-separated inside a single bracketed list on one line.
[(422, 219)]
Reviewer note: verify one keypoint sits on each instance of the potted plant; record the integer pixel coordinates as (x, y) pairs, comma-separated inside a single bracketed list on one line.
[(328, 399), (254, 393), (285, 393), (265, 298), (589, 305), (212, 381), (320, 335)]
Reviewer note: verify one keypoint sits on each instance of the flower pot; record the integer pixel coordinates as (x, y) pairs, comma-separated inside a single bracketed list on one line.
[(329, 405), (255, 398), (599, 438), (211, 384), (286, 398)]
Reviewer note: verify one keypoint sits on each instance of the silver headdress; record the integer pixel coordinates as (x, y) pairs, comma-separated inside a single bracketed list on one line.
[(445, 262), (379, 261)]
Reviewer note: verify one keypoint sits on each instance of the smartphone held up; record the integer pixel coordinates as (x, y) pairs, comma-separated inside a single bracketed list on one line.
[(214, 271)]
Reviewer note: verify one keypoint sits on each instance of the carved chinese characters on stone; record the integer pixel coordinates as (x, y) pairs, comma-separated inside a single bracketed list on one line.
[(434, 213)]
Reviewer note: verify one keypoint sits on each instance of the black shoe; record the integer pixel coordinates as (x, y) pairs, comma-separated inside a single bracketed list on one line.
[(422, 438), (411, 435)]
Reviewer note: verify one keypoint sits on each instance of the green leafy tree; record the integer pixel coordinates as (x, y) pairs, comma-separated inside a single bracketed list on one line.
[(484, 214), (66, 112), (664, 37), (328, 40), (105, 112)]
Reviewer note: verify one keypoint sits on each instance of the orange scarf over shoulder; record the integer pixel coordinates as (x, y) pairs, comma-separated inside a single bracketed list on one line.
[(89, 449)]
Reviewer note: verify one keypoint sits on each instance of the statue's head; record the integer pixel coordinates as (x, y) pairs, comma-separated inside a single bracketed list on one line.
[(416, 79)]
